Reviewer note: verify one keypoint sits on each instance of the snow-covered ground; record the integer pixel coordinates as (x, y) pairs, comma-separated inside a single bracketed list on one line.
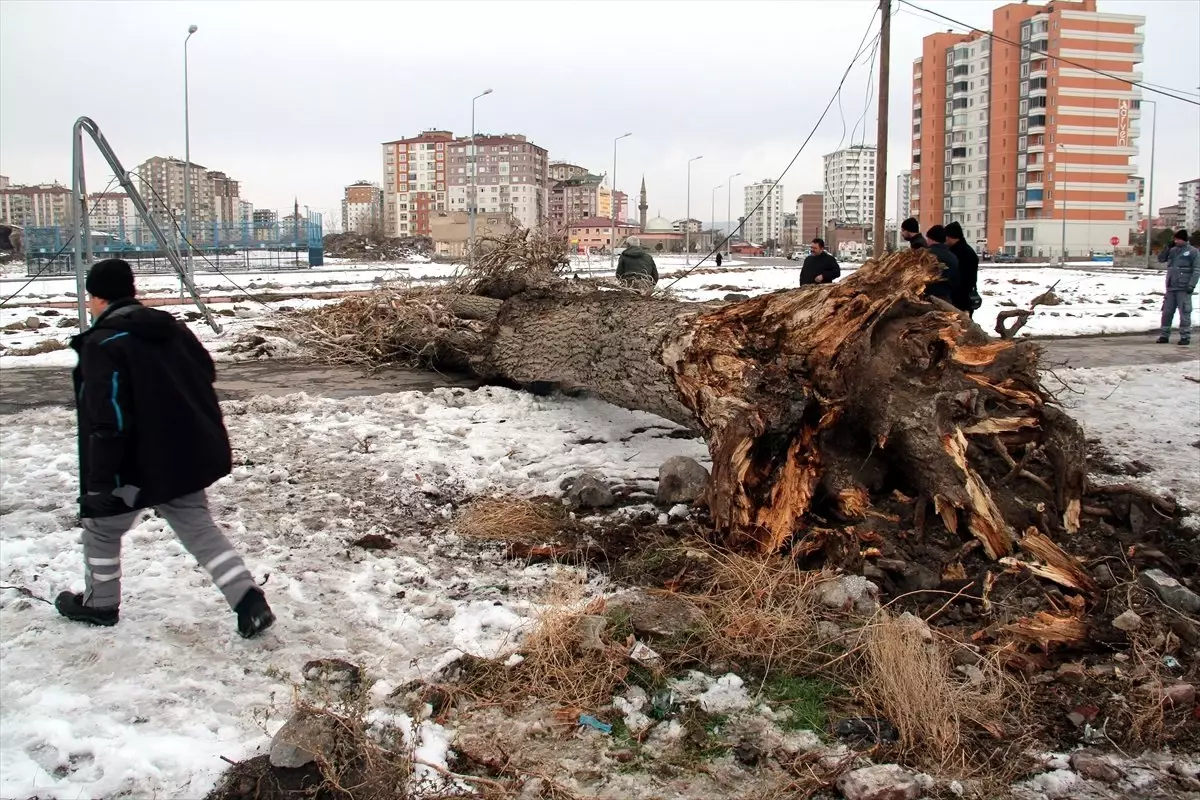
[(148, 708)]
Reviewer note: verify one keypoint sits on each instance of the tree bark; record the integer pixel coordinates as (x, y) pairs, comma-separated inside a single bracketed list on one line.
[(821, 398)]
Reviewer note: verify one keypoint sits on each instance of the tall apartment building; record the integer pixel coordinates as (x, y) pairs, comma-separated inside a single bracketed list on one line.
[(575, 198), (1008, 139), (224, 197), (362, 208), (621, 203), (46, 204), (849, 195), (160, 182), (765, 224), (903, 196), (109, 211), (513, 177), (4, 182), (245, 213), (810, 216), (561, 171), (415, 182), (1189, 204)]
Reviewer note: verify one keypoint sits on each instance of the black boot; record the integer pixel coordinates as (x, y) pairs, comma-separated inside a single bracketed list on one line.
[(253, 613), (1161, 340), (1184, 342), (71, 606)]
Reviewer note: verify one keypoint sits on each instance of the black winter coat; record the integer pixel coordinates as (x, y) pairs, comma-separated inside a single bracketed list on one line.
[(917, 242), (148, 412), (948, 287), (968, 274), (823, 264)]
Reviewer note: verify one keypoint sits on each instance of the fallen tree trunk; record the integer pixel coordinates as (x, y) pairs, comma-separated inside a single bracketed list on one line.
[(823, 395)]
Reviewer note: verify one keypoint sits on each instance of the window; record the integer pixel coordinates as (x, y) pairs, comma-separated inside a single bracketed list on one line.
[(1024, 70), (1020, 180), (1022, 142), (1026, 233), (1024, 88), (1010, 234), (1023, 108), (1025, 31)]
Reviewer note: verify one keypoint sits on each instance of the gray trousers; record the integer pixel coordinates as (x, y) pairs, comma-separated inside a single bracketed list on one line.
[(1177, 299), (192, 522)]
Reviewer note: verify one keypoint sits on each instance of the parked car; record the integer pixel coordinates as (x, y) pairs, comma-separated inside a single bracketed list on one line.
[(1004, 258)]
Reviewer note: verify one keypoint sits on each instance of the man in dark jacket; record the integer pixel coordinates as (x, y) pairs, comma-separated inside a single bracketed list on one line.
[(967, 298), (1183, 273), (151, 435), (636, 266), (910, 230), (947, 287), (820, 267)]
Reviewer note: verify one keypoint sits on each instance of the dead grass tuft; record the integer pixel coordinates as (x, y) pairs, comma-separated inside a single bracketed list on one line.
[(505, 265), (47, 346), (763, 610), (908, 678), (511, 519)]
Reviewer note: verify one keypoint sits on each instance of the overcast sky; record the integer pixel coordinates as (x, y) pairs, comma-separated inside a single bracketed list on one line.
[(294, 98)]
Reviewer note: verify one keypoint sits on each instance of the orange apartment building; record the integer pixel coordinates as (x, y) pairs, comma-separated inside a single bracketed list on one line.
[(1026, 151), (414, 185)]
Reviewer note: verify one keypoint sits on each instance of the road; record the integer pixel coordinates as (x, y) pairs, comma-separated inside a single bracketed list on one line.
[(21, 389)]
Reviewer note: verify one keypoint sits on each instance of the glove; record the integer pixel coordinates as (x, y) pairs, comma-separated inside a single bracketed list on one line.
[(101, 504)]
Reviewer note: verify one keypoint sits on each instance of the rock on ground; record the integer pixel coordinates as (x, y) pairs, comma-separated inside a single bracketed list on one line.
[(681, 480), (879, 782), (658, 615), (303, 739), (1170, 591), (588, 491)]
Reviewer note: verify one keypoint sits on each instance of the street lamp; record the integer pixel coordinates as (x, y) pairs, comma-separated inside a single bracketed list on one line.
[(687, 223), (712, 216), (187, 158), (612, 236), (1150, 185), (729, 209), (474, 169)]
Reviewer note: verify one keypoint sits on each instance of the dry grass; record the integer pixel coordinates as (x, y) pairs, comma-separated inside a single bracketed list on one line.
[(910, 680), (511, 519), (529, 257), (763, 610), (555, 669), (47, 346)]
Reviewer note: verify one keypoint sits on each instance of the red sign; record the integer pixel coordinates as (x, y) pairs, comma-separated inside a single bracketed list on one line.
[(1114, 241)]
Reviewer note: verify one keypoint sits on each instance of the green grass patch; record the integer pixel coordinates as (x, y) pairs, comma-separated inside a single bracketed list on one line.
[(806, 698)]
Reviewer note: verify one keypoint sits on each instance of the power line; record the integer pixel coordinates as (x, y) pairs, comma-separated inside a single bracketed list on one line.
[(1172, 93), (779, 181), (61, 250)]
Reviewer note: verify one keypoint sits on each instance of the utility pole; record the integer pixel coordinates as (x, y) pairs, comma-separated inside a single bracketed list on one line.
[(1150, 188), (881, 135)]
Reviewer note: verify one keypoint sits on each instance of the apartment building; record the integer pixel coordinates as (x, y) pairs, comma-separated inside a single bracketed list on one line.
[(690, 225), (513, 177), (1189, 204), (46, 204), (1022, 149), (849, 190), (110, 212), (415, 182), (561, 171), (620, 202), (810, 216), (903, 196), (225, 197), (575, 198), (161, 181), (766, 223), (362, 208)]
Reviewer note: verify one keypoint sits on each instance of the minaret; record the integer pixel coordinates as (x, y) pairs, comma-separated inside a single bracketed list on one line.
[(642, 206)]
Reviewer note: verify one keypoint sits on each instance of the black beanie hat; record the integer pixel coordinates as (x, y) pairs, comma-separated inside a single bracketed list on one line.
[(1181, 234), (937, 233), (110, 279), (954, 231), (911, 225)]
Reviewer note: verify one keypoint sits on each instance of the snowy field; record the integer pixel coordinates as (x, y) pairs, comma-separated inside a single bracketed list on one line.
[(148, 708), (1093, 301)]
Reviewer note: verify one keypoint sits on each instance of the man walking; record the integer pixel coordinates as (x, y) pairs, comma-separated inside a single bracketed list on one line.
[(636, 267), (820, 267), (910, 230), (1183, 272), (151, 435), (967, 298)]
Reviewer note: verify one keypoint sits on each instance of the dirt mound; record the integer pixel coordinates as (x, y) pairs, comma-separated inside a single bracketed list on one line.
[(372, 247)]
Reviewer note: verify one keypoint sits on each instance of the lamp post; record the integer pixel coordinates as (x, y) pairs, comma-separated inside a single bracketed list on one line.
[(474, 169), (612, 236), (1150, 186), (712, 216), (729, 209), (687, 223), (187, 158)]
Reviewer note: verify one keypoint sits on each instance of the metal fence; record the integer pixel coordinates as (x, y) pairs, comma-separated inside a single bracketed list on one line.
[(235, 246)]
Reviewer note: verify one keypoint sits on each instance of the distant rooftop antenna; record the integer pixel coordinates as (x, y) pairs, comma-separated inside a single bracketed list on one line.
[(83, 230)]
